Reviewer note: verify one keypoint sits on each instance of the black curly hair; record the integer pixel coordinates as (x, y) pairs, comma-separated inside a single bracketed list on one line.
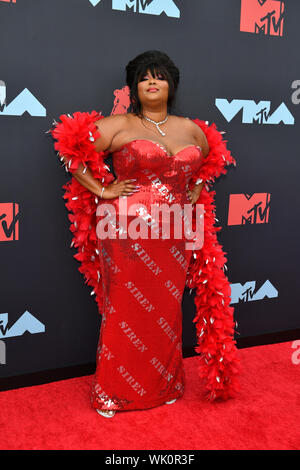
[(158, 63)]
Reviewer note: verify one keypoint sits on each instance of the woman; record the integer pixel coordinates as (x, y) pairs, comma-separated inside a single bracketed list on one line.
[(160, 160)]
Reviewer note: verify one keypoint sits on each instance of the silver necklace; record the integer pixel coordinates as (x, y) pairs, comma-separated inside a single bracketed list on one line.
[(157, 123)]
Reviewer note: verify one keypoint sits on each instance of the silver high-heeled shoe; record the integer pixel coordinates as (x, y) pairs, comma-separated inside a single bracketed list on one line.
[(106, 413)]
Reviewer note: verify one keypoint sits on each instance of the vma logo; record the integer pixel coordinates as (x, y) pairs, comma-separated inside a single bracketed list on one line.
[(150, 7), (245, 209), (262, 17), (24, 102), (9, 219), (254, 113), (246, 292), (26, 323)]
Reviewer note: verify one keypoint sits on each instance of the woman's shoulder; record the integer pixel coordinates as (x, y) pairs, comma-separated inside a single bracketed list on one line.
[(189, 124), (112, 118), (184, 121), (109, 127), (112, 124), (195, 131)]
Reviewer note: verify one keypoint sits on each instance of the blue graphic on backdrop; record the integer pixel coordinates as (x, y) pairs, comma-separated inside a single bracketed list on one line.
[(150, 7), (24, 102), (254, 113), (26, 323), (246, 292)]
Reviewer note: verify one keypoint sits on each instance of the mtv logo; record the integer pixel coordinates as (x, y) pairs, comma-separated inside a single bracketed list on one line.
[(245, 292), (150, 7), (9, 219), (254, 113), (245, 209), (26, 322), (262, 17)]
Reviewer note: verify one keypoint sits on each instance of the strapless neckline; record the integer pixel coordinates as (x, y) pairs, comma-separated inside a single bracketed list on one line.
[(158, 145)]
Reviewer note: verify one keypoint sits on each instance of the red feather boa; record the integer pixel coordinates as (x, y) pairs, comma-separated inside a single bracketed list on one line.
[(218, 362)]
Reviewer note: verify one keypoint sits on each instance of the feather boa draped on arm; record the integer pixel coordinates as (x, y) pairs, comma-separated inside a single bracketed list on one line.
[(218, 363), (74, 137)]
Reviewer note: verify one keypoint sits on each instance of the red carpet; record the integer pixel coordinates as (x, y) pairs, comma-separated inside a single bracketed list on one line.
[(265, 415)]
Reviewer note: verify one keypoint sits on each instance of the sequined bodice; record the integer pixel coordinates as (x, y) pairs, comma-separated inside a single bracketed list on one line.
[(162, 177)]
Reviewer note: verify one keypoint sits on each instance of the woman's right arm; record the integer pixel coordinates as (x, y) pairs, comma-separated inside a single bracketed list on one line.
[(108, 127)]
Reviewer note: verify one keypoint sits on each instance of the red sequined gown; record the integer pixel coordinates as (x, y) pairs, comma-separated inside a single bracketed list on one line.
[(139, 355)]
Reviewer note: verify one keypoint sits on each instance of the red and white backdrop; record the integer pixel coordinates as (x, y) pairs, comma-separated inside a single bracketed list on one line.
[(239, 69)]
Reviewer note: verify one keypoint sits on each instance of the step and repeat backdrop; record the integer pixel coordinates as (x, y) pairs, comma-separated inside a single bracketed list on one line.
[(239, 68)]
